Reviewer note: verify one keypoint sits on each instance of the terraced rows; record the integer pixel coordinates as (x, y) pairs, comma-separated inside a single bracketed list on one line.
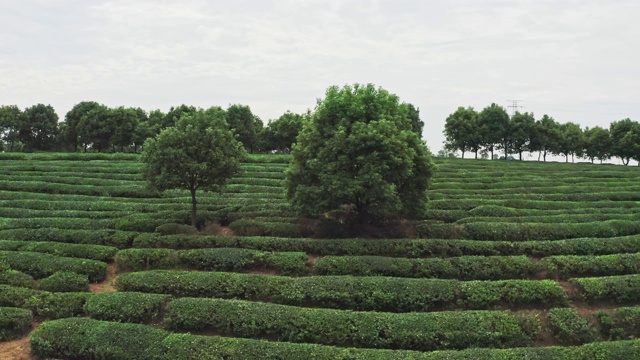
[(516, 259)]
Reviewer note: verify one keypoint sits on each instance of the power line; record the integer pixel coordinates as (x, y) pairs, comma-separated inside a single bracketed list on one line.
[(514, 106)]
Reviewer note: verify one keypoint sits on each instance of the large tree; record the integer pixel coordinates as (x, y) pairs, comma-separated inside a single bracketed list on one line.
[(462, 132), (522, 126), (571, 141), (172, 117), (244, 125), (493, 122), (69, 132), (96, 128), (597, 143), (359, 150), (199, 153), (39, 127), (414, 115), (623, 147), (10, 117), (280, 134), (546, 136)]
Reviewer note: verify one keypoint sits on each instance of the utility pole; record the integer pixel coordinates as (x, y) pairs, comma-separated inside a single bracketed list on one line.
[(514, 106)]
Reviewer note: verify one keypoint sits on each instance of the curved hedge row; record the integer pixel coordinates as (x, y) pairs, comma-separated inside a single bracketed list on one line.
[(93, 339), (460, 268), (126, 306), (48, 305), (14, 323), (410, 331), (404, 248), (506, 231), (621, 323), (116, 238), (93, 252), (610, 289), (40, 265), (218, 259), (348, 292), (604, 265)]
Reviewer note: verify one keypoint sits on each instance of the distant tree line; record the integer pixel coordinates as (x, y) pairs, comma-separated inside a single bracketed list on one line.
[(492, 129), (90, 126)]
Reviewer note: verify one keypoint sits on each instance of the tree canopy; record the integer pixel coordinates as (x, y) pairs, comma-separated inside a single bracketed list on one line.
[(199, 153), (359, 150)]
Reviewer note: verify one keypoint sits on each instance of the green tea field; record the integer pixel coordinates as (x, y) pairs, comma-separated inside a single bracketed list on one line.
[(515, 260)]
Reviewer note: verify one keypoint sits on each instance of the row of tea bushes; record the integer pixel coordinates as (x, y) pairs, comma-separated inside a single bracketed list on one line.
[(409, 331), (115, 238), (44, 304), (469, 204), (348, 292), (85, 251), (93, 339), (610, 289), (218, 259), (14, 323), (402, 248), (506, 231), (41, 265)]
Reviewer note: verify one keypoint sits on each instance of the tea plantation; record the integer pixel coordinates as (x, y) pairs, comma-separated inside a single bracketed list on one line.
[(514, 260)]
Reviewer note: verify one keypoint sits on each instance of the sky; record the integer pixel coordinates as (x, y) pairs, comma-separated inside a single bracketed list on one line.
[(576, 61)]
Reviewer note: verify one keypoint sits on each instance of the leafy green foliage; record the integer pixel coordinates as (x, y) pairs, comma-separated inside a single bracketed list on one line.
[(38, 129), (569, 327), (413, 331), (199, 153), (68, 338), (65, 281), (359, 151), (347, 292), (40, 265), (462, 131), (126, 306), (14, 322)]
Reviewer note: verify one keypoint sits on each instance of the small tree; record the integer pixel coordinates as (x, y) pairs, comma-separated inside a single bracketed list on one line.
[(199, 153), (359, 150)]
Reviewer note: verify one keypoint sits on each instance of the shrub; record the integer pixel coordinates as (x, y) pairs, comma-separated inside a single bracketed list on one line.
[(142, 259), (621, 323), (346, 292), (415, 331), (43, 303), (65, 281), (16, 278), (82, 338), (14, 322), (40, 265), (461, 268), (173, 229), (86, 251), (569, 328), (126, 306), (613, 289)]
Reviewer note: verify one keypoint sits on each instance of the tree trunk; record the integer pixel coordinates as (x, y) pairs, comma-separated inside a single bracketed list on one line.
[(463, 154), (520, 153), (539, 154), (476, 154), (492, 153), (194, 217), (544, 158)]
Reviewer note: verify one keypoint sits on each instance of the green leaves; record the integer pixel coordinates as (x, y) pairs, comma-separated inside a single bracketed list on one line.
[(199, 153), (360, 149)]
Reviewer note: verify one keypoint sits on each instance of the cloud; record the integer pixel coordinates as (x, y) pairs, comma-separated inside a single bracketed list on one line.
[(575, 60)]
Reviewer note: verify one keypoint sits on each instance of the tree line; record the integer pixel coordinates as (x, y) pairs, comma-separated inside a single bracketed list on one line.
[(91, 126), (492, 129)]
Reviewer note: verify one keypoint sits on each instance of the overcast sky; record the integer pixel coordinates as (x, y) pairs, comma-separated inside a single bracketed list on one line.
[(574, 60)]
